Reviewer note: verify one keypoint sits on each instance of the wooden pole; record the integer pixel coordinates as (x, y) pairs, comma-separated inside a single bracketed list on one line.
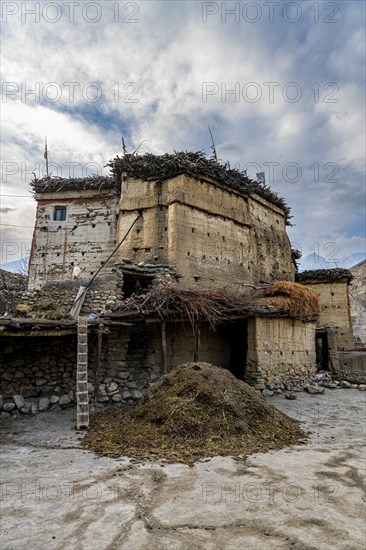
[(197, 333), (163, 346)]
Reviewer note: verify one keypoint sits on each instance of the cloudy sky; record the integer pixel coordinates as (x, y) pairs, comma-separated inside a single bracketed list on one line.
[(281, 84)]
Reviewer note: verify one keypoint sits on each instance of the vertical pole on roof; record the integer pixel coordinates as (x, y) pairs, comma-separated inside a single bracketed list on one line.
[(45, 156)]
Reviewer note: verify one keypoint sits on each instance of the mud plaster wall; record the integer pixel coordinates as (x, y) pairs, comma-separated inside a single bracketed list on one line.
[(280, 351), (352, 366), (214, 237), (85, 238), (213, 346), (335, 311)]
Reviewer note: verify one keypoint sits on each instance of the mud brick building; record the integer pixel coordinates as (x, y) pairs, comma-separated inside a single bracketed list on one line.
[(223, 232), (174, 222), (332, 287), (335, 340)]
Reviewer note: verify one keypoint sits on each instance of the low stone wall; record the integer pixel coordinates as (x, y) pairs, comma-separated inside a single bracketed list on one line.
[(55, 299), (352, 366), (42, 370), (33, 365)]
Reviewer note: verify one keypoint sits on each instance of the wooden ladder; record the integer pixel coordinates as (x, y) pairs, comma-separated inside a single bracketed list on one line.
[(82, 394)]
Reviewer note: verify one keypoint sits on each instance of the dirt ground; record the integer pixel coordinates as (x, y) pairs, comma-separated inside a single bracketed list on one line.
[(56, 495)]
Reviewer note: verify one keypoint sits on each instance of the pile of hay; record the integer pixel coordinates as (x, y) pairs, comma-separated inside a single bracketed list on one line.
[(197, 410), (292, 298), (195, 303)]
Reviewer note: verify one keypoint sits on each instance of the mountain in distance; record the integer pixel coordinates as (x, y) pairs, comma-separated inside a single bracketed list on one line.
[(17, 266), (354, 259)]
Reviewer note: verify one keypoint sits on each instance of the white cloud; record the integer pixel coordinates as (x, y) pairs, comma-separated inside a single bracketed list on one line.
[(169, 54)]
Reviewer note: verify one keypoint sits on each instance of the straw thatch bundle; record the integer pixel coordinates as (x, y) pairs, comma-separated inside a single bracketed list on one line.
[(292, 298), (52, 184), (195, 303)]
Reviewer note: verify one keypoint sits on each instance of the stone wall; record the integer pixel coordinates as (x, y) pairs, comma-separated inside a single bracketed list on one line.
[(45, 367), (281, 353), (55, 299), (85, 238), (29, 365), (214, 237), (335, 310)]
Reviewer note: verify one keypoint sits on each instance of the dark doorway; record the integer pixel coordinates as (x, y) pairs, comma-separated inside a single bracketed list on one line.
[(322, 353), (238, 337), (135, 285)]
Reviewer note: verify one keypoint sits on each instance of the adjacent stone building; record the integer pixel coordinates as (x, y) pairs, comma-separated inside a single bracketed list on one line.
[(332, 287)]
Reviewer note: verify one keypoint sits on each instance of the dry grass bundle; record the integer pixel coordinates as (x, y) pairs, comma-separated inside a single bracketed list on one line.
[(194, 411), (45, 309), (196, 303), (293, 298)]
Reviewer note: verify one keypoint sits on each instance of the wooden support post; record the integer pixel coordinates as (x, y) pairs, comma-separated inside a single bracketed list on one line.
[(163, 345), (79, 301), (197, 334)]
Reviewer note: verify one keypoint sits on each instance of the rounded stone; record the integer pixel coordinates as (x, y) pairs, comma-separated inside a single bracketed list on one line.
[(43, 403), (19, 401), (103, 399), (64, 400)]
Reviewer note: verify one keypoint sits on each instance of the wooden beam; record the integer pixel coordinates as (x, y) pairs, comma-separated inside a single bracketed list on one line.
[(37, 333)]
